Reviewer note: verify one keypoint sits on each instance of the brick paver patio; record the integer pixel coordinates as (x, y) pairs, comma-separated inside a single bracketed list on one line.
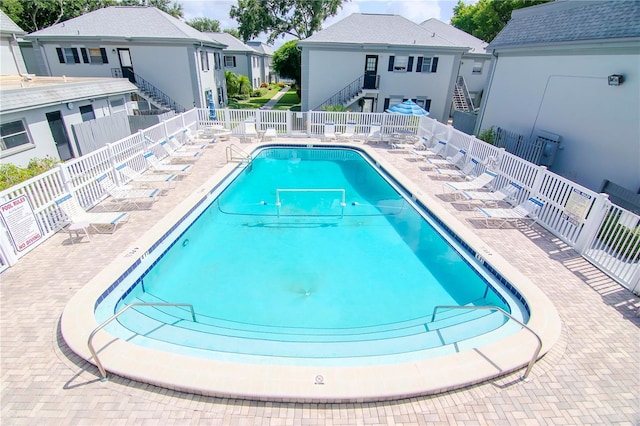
[(590, 377)]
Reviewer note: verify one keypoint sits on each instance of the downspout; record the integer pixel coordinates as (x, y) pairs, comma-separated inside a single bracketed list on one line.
[(22, 73), (198, 78)]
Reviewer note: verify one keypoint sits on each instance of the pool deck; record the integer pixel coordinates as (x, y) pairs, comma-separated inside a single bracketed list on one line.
[(590, 376)]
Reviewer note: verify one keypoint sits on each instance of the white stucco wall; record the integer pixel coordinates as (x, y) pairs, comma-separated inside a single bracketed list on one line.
[(568, 94), (7, 62), (325, 72), (40, 133)]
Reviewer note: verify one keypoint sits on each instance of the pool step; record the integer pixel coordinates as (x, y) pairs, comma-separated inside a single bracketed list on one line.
[(183, 332)]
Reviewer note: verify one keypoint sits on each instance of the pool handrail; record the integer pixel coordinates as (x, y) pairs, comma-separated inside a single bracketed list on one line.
[(508, 315), (94, 354), (233, 149)]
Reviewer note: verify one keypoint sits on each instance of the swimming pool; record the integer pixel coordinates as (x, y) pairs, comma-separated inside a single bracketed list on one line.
[(389, 308)]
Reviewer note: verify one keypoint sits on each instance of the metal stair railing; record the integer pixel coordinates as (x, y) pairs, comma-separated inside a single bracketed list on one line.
[(94, 354), (346, 93), (156, 94), (462, 84), (525, 375)]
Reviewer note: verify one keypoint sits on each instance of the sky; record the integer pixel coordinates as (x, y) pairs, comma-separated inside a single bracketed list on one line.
[(414, 10)]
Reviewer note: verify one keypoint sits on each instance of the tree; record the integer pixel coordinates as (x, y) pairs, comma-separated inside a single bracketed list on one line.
[(206, 25), (244, 85), (298, 18), (234, 32), (233, 85), (287, 62), (486, 18)]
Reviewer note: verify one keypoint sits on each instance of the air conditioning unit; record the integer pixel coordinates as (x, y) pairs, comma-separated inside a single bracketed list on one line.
[(550, 143)]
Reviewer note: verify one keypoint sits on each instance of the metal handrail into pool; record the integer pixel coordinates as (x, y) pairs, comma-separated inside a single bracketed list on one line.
[(508, 315), (231, 149), (103, 372)]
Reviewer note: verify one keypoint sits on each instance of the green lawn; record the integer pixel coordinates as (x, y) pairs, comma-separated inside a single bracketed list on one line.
[(253, 103), (288, 101)]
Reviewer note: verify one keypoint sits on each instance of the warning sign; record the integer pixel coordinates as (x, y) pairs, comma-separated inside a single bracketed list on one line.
[(577, 206), (17, 216)]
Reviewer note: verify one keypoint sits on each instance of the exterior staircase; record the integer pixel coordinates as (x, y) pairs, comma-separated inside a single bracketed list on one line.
[(461, 98), (151, 93), (345, 96)]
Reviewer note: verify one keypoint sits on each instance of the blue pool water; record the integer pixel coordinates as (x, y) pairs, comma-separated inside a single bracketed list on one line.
[(312, 253)]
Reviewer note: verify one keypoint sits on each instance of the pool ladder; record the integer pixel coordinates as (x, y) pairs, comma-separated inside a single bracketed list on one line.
[(234, 153), (94, 354), (525, 375)]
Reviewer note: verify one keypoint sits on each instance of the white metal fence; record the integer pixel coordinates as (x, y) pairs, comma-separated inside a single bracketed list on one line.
[(605, 234)]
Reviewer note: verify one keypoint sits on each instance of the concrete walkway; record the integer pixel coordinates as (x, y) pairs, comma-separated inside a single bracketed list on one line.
[(590, 377), (276, 98)]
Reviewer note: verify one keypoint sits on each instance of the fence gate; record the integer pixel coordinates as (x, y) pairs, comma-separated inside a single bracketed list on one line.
[(299, 122)]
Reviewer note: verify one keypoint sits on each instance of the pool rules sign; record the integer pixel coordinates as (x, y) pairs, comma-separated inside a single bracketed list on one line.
[(18, 218)]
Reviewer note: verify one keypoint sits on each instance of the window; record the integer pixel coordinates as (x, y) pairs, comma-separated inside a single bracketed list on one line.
[(87, 113), (426, 64), (216, 57), (13, 134), (98, 55), (68, 55), (400, 63), (204, 60), (477, 67), (230, 61), (424, 102), (117, 105), (220, 96)]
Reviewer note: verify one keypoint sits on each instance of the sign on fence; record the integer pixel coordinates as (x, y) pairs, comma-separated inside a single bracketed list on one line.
[(576, 208), (19, 220)]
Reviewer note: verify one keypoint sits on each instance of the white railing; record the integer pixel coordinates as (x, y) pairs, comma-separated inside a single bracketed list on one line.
[(573, 213)]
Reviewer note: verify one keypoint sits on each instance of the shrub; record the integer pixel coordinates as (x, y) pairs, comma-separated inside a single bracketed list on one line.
[(264, 85), (280, 84), (622, 240), (488, 135), (10, 174), (257, 93), (337, 107)]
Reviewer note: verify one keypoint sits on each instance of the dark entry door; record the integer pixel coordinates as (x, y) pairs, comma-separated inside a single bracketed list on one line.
[(60, 135), (126, 65), (370, 71)]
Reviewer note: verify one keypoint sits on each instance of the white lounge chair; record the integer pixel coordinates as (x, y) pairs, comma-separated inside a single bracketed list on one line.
[(451, 161), (527, 210), (375, 133), (167, 180), (466, 172), (329, 132), (480, 182), (184, 147), (270, 135), (507, 193), (180, 156), (75, 214), (350, 131), (249, 132), (434, 151), (155, 165), (419, 145), (127, 195)]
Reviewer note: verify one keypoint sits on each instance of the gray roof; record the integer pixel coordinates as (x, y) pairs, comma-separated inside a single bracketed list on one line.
[(570, 21), (7, 26), (18, 94), (233, 44), (455, 35), (364, 28), (125, 22), (261, 47)]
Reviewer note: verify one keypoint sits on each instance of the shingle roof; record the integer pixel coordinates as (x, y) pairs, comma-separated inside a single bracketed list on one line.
[(260, 47), (364, 28), (42, 91), (125, 22), (7, 26), (233, 44), (569, 21), (455, 35)]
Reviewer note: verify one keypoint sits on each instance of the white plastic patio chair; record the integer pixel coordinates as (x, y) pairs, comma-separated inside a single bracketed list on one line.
[(249, 132), (75, 214), (184, 147), (375, 133), (329, 132), (466, 172), (350, 131), (126, 195), (168, 180), (527, 210), (180, 156), (434, 151), (451, 161)]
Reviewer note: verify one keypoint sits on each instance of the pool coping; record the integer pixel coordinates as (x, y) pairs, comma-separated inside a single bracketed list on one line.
[(309, 383)]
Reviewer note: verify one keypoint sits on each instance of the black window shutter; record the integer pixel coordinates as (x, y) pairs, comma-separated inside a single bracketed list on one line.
[(85, 57), (410, 64), (427, 104), (434, 64), (103, 53), (60, 55), (76, 57), (386, 104), (234, 61), (391, 59), (419, 64)]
